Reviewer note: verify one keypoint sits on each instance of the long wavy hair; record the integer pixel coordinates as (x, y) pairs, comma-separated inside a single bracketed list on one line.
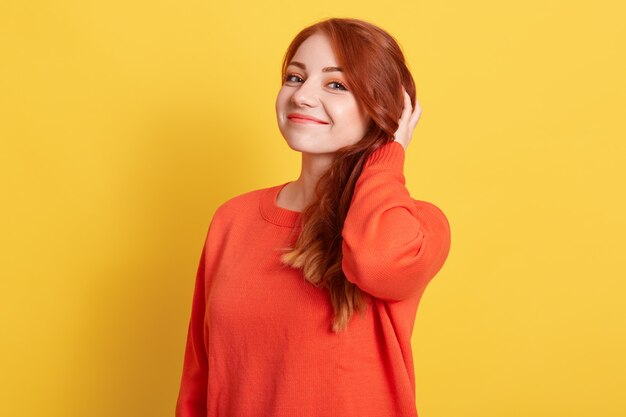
[(375, 69)]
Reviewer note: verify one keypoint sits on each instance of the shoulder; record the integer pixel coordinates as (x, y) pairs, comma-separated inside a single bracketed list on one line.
[(239, 206)]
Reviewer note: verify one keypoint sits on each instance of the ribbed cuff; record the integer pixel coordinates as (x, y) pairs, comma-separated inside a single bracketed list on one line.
[(390, 154)]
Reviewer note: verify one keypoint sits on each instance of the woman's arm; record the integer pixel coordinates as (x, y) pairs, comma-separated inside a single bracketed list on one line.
[(192, 401), (392, 246)]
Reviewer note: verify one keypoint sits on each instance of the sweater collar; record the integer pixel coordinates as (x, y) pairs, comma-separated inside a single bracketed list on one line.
[(273, 213)]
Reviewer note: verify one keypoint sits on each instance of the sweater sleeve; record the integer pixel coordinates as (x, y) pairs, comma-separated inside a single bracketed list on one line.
[(192, 401), (392, 247)]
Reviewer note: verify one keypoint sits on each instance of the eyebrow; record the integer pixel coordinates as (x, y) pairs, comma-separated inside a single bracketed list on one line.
[(325, 69)]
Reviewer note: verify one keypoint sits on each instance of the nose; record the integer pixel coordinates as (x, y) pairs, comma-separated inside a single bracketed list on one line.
[(305, 95)]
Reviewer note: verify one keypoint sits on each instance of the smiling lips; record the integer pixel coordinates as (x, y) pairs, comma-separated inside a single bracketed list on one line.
[(303, 118)]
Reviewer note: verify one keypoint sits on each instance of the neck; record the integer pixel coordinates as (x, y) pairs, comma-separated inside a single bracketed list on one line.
[(299, 193)]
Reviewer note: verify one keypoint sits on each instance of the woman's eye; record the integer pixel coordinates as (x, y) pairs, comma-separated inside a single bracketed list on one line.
[(342, 87), (296, 78), (290, 76)]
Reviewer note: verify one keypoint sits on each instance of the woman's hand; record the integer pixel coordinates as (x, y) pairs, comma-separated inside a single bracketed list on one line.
[(408, 121)]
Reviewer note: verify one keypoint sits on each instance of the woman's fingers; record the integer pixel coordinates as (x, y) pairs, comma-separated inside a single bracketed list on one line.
[(408, 120), (406, 112), (415, 116)]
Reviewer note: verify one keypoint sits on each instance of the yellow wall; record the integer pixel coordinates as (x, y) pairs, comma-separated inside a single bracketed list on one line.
[(124, 125)]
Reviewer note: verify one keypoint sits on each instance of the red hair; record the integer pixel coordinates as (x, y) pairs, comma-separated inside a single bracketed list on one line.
[(375, 69)]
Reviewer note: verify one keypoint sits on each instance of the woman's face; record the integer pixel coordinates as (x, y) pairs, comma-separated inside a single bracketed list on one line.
[(314, 87)]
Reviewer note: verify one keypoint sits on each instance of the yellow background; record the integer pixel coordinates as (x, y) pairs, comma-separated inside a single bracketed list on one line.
[(124, 124)]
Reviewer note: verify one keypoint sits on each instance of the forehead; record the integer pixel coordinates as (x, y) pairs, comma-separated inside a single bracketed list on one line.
[(316, 52)]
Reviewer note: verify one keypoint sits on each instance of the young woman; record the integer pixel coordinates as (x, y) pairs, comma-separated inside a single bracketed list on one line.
[(283, 269)]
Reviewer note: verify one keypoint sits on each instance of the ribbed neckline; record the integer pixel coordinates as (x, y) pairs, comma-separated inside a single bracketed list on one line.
[(271, 212)]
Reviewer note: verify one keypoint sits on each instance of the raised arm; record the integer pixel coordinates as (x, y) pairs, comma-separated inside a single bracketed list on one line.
[(392, 245)]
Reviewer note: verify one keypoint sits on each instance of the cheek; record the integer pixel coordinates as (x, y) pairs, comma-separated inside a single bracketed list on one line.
[(347, 115), (281, 99)]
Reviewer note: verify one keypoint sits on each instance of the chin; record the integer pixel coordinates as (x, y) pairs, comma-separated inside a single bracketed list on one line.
[(298, 146), (311, 148)]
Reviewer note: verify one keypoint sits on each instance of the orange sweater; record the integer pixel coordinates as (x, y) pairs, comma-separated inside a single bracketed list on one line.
[(259, 340)]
